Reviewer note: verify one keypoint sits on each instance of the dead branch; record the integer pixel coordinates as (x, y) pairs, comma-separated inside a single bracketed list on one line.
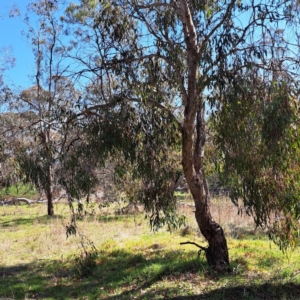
[(192, 243)]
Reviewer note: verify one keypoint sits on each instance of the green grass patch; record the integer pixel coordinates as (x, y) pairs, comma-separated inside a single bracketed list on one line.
[(39, 262), (183, 197), (19, 190)]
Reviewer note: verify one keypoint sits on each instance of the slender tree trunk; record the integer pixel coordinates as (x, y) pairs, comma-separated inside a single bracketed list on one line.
[(50, 202), (49, 194), (192, 160)]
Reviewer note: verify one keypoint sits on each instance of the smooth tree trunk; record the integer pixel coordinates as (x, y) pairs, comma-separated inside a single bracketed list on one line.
[(193, 144), (50, 209), (49, 194)]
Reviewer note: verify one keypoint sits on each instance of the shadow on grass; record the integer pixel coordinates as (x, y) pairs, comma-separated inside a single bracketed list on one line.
[(115, 217), (31, 220), (120, 274), (40, 279), (267, 291), (116, 272)]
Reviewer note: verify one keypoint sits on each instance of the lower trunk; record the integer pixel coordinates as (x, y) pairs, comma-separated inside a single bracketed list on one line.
[(50, 202), (48, 188), (193, 146), (217, 251)]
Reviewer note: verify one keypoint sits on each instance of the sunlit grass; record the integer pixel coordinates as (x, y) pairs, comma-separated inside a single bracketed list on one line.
[(38, 261)]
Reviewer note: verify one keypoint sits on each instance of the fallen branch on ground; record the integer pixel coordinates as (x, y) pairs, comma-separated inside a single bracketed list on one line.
[(16, 200), (28, 201)]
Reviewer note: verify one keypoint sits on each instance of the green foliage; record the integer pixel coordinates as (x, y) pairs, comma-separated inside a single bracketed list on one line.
[(34, 166), (85, 258), (85, 261), (257, 134), (142, 144)]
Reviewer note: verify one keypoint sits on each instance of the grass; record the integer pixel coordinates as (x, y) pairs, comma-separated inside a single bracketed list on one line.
[(38, 262), (19, 190)]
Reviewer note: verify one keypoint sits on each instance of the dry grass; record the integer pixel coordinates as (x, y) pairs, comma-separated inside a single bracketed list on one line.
[(224, 213), (27, 234)]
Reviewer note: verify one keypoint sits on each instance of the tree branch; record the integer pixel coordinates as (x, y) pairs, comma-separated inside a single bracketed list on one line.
[(192, 243), (226, 15), (91, 109)]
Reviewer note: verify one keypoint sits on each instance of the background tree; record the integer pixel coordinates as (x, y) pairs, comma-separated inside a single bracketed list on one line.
[(48, 101), (6, 166)]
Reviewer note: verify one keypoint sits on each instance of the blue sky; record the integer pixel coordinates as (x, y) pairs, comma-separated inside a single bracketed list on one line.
[(10, 36)]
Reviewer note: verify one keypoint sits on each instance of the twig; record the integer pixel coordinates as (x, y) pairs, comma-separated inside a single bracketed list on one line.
[(192, 243)]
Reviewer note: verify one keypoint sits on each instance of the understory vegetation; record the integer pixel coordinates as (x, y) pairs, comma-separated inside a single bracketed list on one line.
[(131, 262)]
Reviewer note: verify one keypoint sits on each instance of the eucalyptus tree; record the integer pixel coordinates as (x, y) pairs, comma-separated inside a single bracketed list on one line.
[(47, 101), (45, 136), (257, 134), (168, 62)]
